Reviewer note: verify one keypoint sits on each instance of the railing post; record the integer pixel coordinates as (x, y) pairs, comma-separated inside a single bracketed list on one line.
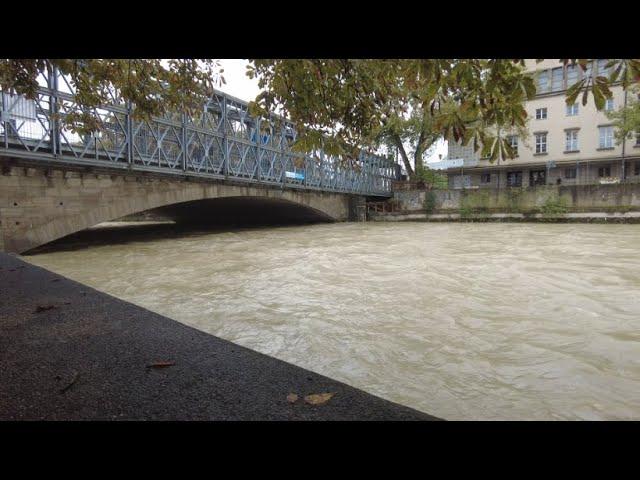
[(53, 111), (283, 153), (306, 169), (4, 120), (129, 136), (321, 168), (225, 139), (258, 149), (184, 142)]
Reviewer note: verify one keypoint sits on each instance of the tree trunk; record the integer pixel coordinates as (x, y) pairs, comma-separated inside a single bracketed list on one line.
[(405, 159)]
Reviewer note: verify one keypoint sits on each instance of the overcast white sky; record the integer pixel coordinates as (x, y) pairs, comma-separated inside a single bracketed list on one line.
[(241, 86)]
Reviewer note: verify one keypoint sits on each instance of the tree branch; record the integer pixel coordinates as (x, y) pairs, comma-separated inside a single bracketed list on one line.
[(398, 143)]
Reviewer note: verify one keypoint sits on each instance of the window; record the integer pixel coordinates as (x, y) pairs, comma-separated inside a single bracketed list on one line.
[(514, 179), (572, 110), (513, 142), (537, 177), (556, 79), (589, 70), (541, 113), (608, 106), (606, 137), (570, 172), (572, 74), (485, 178), (541, 142), (604, 171), (571, 141), (636, 169), (543, 81), (638, 139)]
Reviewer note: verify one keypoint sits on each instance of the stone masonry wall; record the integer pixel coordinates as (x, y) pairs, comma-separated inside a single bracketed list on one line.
[(39, 205)]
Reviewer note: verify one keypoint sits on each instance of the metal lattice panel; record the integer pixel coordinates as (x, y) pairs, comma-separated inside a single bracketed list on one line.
[(222, 140)]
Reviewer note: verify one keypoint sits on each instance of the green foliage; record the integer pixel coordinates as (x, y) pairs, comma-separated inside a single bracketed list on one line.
[(514, 197), (625, 71), (340, 105), (431, 178), (359, 103), (430, 201), (626, 119), (474, 202), (465, 211), (554, 206), (154, 87)]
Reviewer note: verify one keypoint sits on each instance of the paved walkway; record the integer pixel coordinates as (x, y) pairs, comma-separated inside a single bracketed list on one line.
[(69, 352)]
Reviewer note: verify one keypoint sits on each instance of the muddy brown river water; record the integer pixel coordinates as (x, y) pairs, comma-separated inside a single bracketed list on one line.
[(460, 320)]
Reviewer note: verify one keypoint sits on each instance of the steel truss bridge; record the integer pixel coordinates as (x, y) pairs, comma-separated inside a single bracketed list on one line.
[(223, 142)]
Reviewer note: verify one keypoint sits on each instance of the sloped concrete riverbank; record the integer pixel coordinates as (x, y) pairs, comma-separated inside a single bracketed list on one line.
[(69, 352)]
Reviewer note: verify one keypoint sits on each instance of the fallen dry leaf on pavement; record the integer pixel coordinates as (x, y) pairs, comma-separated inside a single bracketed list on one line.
[(292, 398), (71, 383), (161, 364), (318, 398)]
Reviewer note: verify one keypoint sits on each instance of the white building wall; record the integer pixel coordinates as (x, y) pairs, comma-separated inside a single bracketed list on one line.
[(587, 122)]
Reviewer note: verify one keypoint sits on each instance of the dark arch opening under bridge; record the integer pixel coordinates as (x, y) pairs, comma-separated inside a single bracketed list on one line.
[(239, 211), (198, 217)]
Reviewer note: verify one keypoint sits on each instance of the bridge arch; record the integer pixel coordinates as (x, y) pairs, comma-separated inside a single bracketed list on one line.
[(241, 211), (43, 205)]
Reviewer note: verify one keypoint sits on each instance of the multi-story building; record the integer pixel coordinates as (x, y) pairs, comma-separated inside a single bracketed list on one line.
[(566, 144)]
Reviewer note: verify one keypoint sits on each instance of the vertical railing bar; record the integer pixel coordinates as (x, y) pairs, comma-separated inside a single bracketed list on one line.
[(159, 145), (225, 138), (54, 128), (306, 169), (258, 149), (283, 156), (184, 142), (3, 118), (129, 135)]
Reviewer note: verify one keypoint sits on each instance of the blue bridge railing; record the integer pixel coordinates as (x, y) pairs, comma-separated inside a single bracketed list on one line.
[(222, 142)]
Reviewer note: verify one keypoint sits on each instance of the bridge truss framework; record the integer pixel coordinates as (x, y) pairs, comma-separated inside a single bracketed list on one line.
[(223, 142)]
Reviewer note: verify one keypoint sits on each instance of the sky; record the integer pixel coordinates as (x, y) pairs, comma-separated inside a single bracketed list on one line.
[(244, 88)]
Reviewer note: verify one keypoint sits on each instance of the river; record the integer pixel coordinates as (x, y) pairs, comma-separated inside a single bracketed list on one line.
[(464, 321)]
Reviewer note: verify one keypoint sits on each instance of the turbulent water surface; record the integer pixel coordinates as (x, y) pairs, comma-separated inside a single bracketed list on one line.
[(463, 321)]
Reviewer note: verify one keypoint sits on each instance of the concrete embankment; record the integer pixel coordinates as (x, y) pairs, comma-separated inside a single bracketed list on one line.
[(617, 203), (69, 352), (583, 217)]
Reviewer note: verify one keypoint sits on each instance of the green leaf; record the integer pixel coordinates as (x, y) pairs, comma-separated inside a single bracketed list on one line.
[(574, 91), (598, 96)]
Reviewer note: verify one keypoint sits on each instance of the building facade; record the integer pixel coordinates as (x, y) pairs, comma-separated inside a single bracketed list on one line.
[(566, 145)]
